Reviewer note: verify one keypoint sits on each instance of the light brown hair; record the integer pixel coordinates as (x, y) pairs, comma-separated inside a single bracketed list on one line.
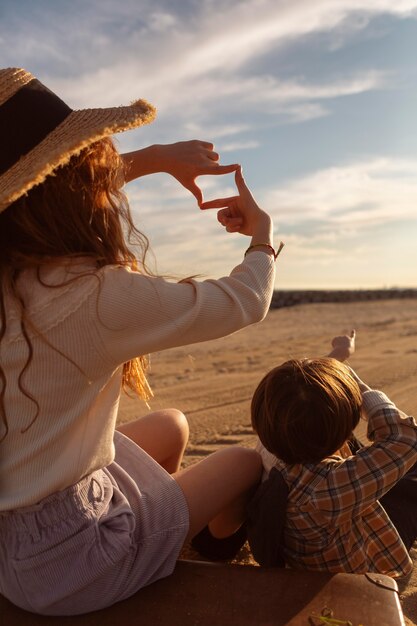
[(79, 211), (305, 410)]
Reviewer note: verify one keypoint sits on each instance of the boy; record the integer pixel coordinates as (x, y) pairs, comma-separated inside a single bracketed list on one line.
[(322, 507)]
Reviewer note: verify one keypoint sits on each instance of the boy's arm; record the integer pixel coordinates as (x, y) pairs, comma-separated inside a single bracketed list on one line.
[(343, 347), (352, 485)]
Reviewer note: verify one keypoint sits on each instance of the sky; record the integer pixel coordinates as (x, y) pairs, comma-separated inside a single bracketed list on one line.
[(317, 99)]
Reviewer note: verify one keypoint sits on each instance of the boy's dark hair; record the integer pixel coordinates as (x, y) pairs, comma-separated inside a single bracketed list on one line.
[(305, 410)]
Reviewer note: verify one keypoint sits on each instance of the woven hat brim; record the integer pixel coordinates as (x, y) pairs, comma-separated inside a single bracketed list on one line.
[(76, 132)]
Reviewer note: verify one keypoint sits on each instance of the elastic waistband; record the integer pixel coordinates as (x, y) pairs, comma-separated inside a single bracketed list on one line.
[(85, 499)]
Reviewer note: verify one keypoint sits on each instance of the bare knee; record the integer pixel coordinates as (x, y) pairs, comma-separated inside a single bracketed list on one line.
[(246, 459), (177, 425), (162, 434)]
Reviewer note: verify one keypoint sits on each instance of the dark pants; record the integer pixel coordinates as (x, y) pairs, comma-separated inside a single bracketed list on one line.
[(400, 503)]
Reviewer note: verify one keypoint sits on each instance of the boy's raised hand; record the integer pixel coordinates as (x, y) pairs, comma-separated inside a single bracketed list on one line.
[(343, 346)]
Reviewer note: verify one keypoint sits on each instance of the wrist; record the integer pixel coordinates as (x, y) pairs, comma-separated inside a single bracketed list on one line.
[(340, 354), (262, 237), (374, 400), (141, 162), (263, 230), (158, 158), (153, 159), (164, 157), (265, 247)]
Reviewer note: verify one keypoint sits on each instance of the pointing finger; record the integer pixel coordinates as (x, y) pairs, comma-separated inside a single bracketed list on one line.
[(218, 203)]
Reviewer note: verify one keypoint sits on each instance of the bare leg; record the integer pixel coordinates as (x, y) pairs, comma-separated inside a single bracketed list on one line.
[(162, 434), (218, 488)]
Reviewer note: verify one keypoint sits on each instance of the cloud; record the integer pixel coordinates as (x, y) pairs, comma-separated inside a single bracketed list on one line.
[(364, 194), (192, 63), (239, 145), (234, 76), (297, 99), (162, 22), (325, 219), (215, 130), (268, 88)]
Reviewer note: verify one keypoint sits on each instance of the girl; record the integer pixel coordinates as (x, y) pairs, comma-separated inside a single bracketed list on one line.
[(322, 507), (89, 515)]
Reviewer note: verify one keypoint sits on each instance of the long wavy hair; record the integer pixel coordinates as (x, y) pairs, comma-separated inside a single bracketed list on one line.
[(79, 211)]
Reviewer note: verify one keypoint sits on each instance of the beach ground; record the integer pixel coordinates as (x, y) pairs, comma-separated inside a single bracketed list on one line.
[(212, 382)]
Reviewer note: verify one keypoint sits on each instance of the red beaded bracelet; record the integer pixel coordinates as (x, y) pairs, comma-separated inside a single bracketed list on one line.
[(266, 245)]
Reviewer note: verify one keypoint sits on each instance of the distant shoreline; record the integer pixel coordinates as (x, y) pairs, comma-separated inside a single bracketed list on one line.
[(285, 297)]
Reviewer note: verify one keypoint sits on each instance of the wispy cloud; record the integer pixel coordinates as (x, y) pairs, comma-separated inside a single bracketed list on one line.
[(194, 63), (376, 191), (238, 76), (239, 145), (325, 219), (336, 202)]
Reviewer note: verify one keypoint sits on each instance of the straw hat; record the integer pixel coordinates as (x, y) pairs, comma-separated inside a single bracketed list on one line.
[(39, 132)]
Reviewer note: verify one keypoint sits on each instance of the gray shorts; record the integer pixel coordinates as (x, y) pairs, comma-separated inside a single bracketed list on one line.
[(96, 542)]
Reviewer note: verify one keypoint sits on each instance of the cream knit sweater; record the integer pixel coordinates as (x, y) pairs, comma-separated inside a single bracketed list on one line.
[(82, 332)]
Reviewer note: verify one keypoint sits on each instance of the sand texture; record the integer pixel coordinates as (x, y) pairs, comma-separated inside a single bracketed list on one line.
[(212, 382)]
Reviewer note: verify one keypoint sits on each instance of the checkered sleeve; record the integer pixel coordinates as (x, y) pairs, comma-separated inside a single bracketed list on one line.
[(348, 487)]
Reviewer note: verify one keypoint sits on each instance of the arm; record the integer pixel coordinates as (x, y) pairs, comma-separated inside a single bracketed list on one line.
[(184, 160), (142, 314), (352, 485)]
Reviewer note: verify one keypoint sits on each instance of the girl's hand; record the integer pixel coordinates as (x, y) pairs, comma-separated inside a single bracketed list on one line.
[(343, 346), (241, 214), (186, 160)]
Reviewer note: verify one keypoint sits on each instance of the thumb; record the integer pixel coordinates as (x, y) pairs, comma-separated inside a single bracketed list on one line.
[(240, 182)]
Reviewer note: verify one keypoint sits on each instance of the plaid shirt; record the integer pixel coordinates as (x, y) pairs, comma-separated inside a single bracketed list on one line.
[(334, 521)]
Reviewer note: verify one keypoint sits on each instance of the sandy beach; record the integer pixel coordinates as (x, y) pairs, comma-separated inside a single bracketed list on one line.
[(212, 383)]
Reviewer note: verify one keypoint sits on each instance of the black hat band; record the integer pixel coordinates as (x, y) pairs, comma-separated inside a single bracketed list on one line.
[(26, 119)]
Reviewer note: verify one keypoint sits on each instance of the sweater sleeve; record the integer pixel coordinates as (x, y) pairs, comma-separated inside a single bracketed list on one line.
[(352, 485), (139, 314)]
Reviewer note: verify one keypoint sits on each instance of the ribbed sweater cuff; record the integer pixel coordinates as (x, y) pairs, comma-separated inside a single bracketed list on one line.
[(375, 400)]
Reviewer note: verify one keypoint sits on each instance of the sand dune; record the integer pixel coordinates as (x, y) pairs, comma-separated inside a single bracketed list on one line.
[(212, 383)]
